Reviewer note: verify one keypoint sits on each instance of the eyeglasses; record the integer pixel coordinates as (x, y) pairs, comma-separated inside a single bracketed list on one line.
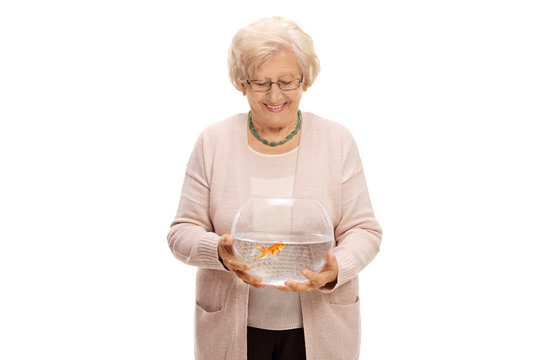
[(266, 85)]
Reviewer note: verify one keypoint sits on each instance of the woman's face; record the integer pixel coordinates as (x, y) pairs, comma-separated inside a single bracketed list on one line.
[(276, 108)]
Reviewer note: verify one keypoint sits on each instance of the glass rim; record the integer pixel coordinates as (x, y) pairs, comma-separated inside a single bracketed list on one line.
[(268, 84)]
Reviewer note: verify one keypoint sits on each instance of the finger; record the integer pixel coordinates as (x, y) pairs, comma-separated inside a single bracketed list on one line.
[(331, 263), (300, 286), (295, 286), (314, 282), (331, 260), (287, 286), (317, 280), (234, 264), (250, 279), (225, 247), (256, 285), (284, 288), (228, 240)]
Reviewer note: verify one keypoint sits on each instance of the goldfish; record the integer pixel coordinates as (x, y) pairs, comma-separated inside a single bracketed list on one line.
[(271, 250)]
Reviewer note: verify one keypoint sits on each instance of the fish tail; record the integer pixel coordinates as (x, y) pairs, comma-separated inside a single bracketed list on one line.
[(263, 252)]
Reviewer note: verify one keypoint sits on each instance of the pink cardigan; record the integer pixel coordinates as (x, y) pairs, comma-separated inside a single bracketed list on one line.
[(217, 184)]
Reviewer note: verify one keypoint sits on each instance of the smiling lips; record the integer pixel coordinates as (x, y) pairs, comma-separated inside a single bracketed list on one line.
[(275, 108)]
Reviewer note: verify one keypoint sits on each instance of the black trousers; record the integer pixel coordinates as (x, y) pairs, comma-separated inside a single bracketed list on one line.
[(275, 344)]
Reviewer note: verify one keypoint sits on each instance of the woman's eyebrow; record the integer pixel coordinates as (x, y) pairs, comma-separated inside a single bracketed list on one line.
[(283, 76)]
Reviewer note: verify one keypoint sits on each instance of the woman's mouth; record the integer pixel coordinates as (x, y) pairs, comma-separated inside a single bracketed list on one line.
[(275, 108)]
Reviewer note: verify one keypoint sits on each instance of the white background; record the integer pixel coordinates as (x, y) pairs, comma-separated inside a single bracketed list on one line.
[(100, 105)]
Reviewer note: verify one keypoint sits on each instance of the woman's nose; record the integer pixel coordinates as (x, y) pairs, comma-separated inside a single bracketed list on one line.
[(274, 94)]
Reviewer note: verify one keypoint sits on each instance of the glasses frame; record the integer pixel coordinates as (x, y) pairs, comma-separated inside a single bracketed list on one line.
[(276, 82)]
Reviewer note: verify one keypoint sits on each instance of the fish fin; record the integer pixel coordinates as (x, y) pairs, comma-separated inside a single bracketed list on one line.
[(263, 251)]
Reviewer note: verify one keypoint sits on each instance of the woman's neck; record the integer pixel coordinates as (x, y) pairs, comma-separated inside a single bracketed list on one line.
[(273, 134)]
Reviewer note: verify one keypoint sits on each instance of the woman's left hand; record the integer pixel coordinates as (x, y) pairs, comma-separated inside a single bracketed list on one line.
[(327, 275)]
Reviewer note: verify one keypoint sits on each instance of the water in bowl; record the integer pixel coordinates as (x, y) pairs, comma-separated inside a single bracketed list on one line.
[(275, 264)]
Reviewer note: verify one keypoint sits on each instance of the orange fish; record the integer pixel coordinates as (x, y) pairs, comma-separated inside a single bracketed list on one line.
[(271, 250)]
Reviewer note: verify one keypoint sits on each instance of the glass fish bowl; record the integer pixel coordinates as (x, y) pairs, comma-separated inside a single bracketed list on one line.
[(280, 237)]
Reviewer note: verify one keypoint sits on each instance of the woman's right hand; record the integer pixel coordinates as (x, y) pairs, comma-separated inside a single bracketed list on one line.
[(226, 255)]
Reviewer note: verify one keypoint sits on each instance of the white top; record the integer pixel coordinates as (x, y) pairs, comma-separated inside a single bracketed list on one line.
[(268, 308)]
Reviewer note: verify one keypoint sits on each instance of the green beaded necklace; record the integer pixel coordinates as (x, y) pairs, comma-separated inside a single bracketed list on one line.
[(272, 143)]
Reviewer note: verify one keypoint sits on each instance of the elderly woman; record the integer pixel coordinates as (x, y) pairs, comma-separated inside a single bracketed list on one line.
[(274, 150)]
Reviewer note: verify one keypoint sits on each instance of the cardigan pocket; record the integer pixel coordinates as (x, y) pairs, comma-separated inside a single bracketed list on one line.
[(214, 316), (211, 334), (213, 289), (345, 294), (348, 318)]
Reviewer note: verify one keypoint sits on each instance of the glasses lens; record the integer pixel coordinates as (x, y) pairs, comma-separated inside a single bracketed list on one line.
[(289, 84), (285, 84), (260, 85)]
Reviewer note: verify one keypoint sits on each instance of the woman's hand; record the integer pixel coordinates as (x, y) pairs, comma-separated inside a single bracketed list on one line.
[(226, 254), (328, 274)]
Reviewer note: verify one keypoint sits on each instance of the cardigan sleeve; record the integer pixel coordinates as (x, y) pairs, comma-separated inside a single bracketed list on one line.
[(358, 234), (191, 237)]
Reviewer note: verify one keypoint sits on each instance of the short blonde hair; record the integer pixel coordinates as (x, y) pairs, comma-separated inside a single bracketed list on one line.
[(258, 42)]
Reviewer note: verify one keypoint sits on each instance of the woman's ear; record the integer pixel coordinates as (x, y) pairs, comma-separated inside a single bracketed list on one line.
[(244, 89)]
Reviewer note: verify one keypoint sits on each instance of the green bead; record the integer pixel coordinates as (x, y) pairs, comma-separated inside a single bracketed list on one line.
[(266, 142)]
